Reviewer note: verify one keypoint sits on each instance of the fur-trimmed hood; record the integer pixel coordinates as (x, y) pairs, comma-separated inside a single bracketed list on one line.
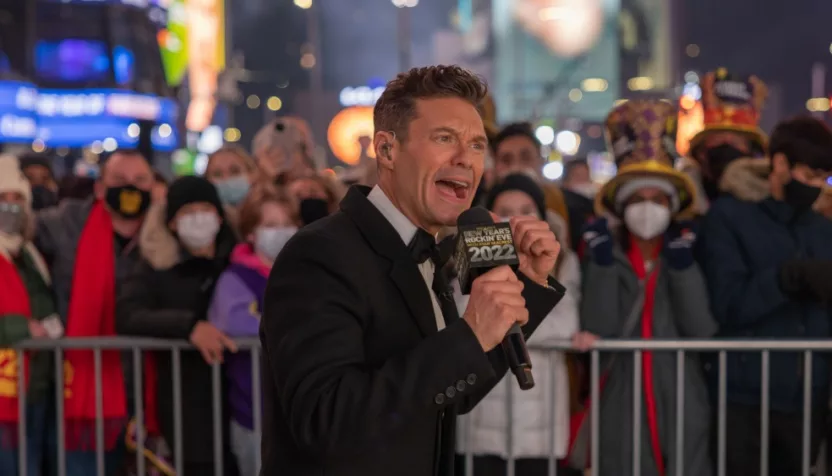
[(160, 248), (747, 179)]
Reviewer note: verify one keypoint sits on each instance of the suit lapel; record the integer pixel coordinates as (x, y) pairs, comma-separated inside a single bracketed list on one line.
[(384, 240)]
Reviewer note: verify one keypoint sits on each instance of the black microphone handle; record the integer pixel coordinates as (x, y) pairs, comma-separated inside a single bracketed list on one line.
[(514, 345)]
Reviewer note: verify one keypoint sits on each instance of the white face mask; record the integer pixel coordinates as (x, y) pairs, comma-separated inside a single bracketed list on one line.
[(268, 241), (198, 230), (587, 190), (646, 220)]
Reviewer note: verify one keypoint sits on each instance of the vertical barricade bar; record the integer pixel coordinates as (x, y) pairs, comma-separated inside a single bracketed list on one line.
[(637, 405), (176, 361), (217, 417), (594, 412), (680, 412), (99, 414), (137, 397), (21, 413), (765, 368), (469, 449), (553, 387), (60, 427), (722, 393), (509, 426), (256, 403), (807, 413)]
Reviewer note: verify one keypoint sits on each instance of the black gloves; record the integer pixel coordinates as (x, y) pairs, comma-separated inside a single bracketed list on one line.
[(807, 280)]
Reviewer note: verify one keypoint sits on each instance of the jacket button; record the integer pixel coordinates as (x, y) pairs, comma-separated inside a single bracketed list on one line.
[(440, 399), (450, 392), (460, 386), (472, 379)]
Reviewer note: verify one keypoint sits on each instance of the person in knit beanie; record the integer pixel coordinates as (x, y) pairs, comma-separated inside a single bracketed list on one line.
[(27, 311)]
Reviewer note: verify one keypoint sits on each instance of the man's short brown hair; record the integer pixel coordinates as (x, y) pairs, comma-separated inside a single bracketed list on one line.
[(397, 105)]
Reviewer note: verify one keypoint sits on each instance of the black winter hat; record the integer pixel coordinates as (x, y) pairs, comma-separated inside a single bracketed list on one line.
[(520, 182), (191, 189)]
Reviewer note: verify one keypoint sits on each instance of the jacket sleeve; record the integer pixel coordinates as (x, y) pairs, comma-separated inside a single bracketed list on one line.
[(231, 307), (600, 313), (689, 302), (739, 296), (334, 401), (13, 329), (138, 312)]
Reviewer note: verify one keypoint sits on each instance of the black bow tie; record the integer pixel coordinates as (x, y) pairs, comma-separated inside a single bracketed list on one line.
[(423, 246)]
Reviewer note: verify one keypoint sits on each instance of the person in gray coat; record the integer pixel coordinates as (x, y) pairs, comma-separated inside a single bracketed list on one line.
[(641, 282)]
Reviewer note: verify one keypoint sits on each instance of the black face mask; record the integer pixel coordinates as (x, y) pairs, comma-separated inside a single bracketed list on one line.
[(799, 195), (42, 198), (128, 201), (312, 209)]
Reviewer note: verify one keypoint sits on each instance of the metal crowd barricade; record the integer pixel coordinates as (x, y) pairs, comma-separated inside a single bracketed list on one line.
[(137, 345), (680, 347)]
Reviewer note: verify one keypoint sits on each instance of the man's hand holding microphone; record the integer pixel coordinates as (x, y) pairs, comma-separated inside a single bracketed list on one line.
[(486, 252)]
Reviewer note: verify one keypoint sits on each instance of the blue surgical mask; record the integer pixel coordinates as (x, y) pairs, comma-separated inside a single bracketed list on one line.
[(232, 191), (268, 241)]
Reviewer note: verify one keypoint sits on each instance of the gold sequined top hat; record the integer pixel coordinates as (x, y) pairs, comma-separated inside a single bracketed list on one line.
[(732, 103), (639, 130)]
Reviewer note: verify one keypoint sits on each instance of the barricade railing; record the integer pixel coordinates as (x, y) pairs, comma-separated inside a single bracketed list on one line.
[(138, 345), (680, 348)]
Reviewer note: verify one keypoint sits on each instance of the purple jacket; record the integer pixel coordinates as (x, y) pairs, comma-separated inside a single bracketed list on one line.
[(235, 310)]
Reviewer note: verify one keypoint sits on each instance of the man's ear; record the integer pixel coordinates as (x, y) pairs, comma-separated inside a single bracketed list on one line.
[(384, 145)]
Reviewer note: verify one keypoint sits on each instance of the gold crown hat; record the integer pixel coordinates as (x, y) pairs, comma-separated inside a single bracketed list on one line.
[(732, 103), (639, 130), (643, 173)]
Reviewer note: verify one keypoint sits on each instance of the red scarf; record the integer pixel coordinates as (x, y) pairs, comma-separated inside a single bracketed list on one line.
[(92, 314), (637, 262), (14, 300)]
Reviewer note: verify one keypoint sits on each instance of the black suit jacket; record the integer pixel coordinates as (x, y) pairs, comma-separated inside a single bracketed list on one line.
[(357, 379)]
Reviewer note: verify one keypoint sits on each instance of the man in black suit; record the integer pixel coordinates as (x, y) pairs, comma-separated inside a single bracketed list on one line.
[(365, 365)]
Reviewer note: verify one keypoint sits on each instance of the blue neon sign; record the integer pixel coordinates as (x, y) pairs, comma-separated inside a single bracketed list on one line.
[(77, 118)]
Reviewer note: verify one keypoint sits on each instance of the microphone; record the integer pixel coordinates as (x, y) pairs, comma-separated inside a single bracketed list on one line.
[(482, 245)]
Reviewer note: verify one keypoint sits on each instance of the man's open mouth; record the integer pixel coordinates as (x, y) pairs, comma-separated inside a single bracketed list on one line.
[(454, 188)]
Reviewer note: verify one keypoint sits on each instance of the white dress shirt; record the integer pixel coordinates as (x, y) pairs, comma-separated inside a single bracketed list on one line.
[(407, 231)]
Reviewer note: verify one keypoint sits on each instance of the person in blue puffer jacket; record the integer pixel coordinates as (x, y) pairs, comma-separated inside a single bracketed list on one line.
[(768, 265)]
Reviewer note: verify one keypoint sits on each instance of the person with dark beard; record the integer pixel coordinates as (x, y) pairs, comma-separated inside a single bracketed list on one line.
[(732, 106), (768, 266)]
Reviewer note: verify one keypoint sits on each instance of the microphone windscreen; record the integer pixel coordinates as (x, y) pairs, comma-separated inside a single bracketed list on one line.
[(474, 216)]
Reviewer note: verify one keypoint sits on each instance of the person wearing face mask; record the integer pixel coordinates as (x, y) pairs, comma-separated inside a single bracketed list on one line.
[(232, 171), (316, 197), (731, 133), (641, 281), (90, 246), (768, 265), (267, 221), (27, 310), (519, 195), (168, 295)]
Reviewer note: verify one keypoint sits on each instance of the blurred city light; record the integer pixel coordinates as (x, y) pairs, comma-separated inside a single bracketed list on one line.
[(594, 85), (619, 102), (109, 144), (691, 77), (274, 103), (405, 3), (687, 102), (38, 146), (575, 95), (692, 50), (165, 130), (133, 130), (253, 102), (567, 142), (640, 83), (545, 134), (305, 4), (96, 147), (307, 61), (818, 104), (232, 134), (553, 170)]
